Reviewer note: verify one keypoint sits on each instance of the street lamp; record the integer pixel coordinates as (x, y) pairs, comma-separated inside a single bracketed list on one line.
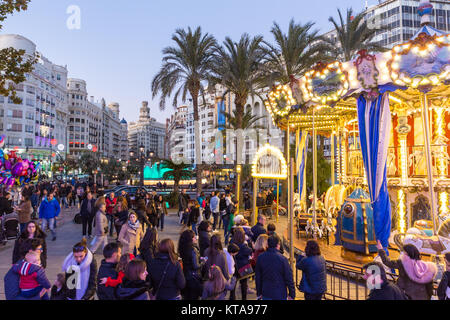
[(142, 156)]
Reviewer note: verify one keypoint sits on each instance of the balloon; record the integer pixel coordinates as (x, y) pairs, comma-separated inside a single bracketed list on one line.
[(7, 164), (17, 169), (24, 173), (10, 182), (26, 164)]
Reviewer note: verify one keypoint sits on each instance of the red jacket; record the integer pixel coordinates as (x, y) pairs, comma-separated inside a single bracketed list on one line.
[(110, 204)]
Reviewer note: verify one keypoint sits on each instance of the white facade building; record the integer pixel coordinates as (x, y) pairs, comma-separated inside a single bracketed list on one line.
[(37, 125)]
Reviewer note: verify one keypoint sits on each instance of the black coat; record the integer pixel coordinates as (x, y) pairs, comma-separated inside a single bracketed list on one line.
[(243, 256), (106, 270), (273, 276), (19, 249), (388, 291), (314, 274), (443, 286), (203, 242), (133, 290), (5, 206), (83, 209), (257, 230), (169, 285), (59, 295)]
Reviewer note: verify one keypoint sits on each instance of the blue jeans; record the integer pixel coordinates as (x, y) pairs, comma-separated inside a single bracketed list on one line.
[(161, 221), (194, 228), (226, 221), (33, 293), (51, 224)]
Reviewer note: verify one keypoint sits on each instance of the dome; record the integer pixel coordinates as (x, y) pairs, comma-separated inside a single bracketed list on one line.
[(123, 121)]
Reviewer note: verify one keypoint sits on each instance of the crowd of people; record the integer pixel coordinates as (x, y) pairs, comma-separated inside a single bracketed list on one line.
[(217, 251)]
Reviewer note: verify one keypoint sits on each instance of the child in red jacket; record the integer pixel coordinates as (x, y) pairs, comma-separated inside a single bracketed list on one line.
[(110, 282), (32, 276)]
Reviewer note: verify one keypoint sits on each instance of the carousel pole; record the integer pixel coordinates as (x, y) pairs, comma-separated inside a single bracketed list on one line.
[(278, 197), (426, 127), (255, 191), (291, 215), (314, 219), (289, 190), (332, 157)]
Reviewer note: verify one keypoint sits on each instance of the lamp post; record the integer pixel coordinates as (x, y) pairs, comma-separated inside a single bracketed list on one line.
[(142, 158)]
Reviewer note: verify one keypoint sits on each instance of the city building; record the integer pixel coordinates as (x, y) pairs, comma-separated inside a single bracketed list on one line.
[(176, 134), (147, 132), (85, 122), (112, 131), (38, 125), (401, 20)]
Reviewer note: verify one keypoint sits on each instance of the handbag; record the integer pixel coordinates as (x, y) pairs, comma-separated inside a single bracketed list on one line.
[(245, 270)]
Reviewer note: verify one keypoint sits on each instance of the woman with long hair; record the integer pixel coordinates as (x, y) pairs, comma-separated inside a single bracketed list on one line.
[(204, 236), (120, 213), (216, 256), (166, 275), (415, 277), (259, 247), (149, 246), (134, 286), (31, 231), (217, 287), (242, 258), (314, 272), (24, 211), (189, 254)]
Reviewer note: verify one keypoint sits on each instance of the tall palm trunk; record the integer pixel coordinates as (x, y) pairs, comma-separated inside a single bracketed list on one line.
[(197, 142), (239, 143)]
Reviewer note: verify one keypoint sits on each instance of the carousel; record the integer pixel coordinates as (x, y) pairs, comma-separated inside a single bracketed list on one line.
[(387, 117)]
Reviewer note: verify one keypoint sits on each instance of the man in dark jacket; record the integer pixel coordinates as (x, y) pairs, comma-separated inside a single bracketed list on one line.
[(258, 228), (379, 285), (112, 253), (182, 202), (87, 213), (273, 274)]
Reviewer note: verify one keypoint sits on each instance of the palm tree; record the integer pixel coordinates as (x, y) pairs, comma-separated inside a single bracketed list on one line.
[(184, 67), (294, 52), (177, 172), (353, 35), (237, 66)]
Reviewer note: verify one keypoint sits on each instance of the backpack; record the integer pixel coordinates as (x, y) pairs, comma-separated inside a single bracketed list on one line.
[(77, 219)]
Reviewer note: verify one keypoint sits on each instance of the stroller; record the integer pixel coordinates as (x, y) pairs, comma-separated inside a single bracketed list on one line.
[(9, 227)]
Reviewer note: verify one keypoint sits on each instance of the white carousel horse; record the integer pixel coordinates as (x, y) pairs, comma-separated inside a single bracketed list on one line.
[(435, 245)]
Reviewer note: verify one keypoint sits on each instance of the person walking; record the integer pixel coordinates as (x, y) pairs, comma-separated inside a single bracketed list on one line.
[(188, 252), (87, 213), (182, 203), (80, 268), (120, 213), (166, 275), (273, 274), (24, 211), (21, 247), (100, 230), (35, 202), (415, 276), (108, 269), (161, 210), (131, 235), (214, 205), (194, 216), (314, 272), (48, 211), (111, 202)]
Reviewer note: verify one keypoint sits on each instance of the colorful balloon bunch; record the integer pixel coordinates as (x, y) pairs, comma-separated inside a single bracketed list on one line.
[(15, 170)]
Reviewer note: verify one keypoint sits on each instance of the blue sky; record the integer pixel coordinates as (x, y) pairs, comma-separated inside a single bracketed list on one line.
[(118, 47)]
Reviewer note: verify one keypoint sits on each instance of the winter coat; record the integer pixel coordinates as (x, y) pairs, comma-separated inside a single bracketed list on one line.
[(415, 287), (18, 251), (203, 241), (257, 230), (243, 256), (169, 285), (219, 260), (49, 209), (11, 285), (209, 295), (133, 290), (26, 270), (214, 204), (89, 264), (110, 204), (130, 238), (106, 270), (5, 206), (314, 274), (24, 212), (84, 206), (101, 224), (194, 216), (182, 203), (388, 291), (62, 294), (273, 276), (444, 286)]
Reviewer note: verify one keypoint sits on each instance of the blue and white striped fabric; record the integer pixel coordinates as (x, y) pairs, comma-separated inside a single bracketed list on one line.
[(374, 119), (300, 160)]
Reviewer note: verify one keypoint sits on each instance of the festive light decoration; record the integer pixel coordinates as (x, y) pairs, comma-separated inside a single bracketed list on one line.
[(264, 167), (443, 203), (401, 210), (415, 63), (403, 159), (280, 101), (326, 83)]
